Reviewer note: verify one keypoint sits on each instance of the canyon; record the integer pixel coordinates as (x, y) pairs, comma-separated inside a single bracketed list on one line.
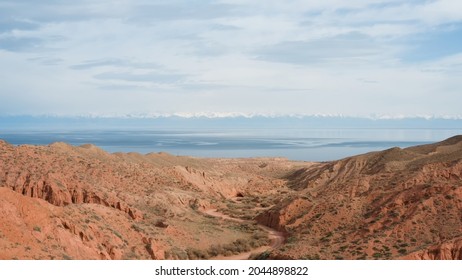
[(80, 202)]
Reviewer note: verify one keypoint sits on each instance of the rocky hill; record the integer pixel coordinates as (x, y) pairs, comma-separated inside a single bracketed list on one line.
[(398, 203)]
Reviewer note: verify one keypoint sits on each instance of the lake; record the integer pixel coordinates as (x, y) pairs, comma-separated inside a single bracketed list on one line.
[(295, 144)]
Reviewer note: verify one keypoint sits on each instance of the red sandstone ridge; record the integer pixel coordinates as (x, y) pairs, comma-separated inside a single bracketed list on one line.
[(66, 202), (449, 250), (398, 203)]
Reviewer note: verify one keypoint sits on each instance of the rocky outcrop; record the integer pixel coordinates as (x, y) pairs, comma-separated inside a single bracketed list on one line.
[(53, 189), (286, 213), (155, 248), (451, 250)]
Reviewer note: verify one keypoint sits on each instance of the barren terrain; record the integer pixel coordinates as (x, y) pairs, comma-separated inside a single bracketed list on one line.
[(66, 202)]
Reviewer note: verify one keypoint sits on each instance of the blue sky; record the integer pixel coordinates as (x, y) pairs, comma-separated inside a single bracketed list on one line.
[(333, 57)]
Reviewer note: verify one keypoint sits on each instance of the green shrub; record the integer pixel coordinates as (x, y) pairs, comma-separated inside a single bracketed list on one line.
[(402, 251), (377, 255)]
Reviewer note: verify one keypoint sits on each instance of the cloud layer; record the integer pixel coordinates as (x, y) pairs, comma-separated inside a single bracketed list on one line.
[(361, 58)]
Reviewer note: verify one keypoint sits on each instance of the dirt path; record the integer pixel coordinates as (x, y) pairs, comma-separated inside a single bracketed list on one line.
[(277, 238)]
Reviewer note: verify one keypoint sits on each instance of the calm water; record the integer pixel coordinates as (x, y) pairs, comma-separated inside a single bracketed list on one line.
[(296, 144)]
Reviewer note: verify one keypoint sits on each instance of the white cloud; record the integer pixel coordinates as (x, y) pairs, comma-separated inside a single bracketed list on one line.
[(291, 57)]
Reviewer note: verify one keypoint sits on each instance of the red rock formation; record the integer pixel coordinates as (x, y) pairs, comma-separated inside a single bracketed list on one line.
[(85, 203), (451, 250), (60, 202), (378, 205)]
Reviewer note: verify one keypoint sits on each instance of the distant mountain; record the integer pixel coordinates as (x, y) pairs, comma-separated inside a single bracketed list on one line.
[(218, 121)]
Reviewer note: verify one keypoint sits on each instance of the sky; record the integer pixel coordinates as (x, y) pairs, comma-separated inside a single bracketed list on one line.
[(224, 57)]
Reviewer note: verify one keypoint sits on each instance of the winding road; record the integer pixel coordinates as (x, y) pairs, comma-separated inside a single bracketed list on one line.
[(277, 238)]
